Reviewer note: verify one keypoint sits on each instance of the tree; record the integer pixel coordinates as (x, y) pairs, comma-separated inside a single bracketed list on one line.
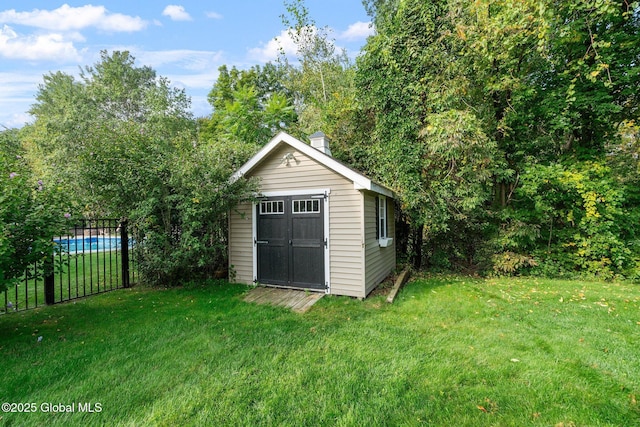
[(548, 84), (32, 211), (321, 79), (249, 105), (429, 143), (74, 115), (133, 151), (562, 79)]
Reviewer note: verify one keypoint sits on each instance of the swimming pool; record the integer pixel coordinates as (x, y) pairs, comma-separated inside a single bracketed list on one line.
[(80, 245)]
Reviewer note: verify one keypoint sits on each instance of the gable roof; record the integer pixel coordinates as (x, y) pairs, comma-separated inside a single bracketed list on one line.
[(360, 182)]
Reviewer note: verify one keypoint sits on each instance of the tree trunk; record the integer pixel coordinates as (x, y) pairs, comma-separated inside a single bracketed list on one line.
[(403, 234), (416, 243)]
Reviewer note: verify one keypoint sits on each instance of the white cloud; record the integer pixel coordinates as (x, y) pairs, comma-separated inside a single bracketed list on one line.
[(357, 31), (194, 60), (121, 23), (194, 81), (17, 95), (213, 15), (271, 50), (67, 18), (176, 13), (14, 120), (200, 106), (42, 47)]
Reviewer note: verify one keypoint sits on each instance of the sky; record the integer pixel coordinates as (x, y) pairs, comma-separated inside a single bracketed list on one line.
[(183, 40)]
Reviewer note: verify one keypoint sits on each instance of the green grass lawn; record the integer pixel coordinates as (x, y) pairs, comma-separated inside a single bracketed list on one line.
[(450, 351), (80, 275)]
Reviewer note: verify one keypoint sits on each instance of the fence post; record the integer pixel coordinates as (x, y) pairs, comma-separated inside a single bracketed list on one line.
[(49, 294), (124, 250)]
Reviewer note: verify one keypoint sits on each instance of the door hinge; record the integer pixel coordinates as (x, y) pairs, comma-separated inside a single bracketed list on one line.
[(325, 242), (321, 196)]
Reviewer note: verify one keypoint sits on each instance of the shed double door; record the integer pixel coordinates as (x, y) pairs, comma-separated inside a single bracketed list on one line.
[(290, 241)]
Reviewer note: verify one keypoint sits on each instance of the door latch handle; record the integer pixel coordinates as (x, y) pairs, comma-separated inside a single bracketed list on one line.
[(262, 242)]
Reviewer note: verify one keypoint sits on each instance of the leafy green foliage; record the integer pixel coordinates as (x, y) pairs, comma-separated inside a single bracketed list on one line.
[(546, 94), (429, 144), (321, 80), (249, 106), (133, 151), (32, 211), (594, 224), (508, 129), (72, 117)]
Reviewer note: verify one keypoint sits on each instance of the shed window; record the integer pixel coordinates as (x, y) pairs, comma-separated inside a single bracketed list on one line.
[(382, 216), (272, 207), (306, 206)]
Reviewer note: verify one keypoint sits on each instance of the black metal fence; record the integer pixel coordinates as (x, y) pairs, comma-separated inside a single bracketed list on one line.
[(95, 256)]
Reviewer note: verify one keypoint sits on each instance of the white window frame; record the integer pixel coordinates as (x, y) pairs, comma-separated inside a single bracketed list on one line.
[(384, 241), (315, 202), (382, 217), (272, 203)]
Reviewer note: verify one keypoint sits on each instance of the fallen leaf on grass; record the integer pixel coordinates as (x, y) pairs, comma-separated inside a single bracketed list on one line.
[(491, 406)]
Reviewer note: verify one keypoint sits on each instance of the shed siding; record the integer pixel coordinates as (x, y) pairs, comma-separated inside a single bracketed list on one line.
[(241, 244), (345, 213), (379, 262)]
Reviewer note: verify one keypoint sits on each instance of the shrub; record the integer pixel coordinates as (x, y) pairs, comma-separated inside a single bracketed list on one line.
[(32, 211), (182, 221), (570, 219)]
